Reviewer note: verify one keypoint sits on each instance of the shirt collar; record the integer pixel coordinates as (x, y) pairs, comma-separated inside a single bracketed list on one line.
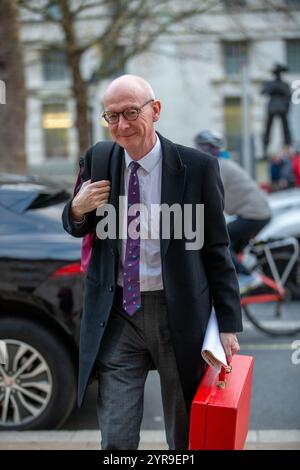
[(149, 161)]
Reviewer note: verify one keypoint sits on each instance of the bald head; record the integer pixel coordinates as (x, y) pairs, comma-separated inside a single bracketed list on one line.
[(129, 85), (130, 92)]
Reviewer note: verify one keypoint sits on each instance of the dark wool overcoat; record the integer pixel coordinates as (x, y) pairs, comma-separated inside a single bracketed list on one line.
[(192, 279)]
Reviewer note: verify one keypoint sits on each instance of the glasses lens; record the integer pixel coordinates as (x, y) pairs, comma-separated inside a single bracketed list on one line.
[(131, 114), (111, 118)]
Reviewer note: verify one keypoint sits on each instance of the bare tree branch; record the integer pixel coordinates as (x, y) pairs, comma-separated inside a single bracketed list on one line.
[(128, 28)]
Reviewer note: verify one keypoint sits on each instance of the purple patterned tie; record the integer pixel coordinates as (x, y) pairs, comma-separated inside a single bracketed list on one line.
[(131, 272)]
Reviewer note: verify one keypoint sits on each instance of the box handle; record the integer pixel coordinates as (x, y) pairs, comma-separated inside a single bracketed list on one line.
[(221, 383)]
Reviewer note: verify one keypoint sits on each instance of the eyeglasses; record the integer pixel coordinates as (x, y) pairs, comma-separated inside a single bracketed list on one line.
[(130, 114)]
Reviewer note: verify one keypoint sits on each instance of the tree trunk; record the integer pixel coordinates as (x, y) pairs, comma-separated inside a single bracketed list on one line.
[(80, 96), (12, 113), (78, 85)]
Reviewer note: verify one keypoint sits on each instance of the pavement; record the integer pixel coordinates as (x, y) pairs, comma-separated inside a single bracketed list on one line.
[(150, 440)]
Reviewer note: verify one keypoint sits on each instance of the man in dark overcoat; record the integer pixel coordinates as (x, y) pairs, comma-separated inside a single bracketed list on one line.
[(148, 299)]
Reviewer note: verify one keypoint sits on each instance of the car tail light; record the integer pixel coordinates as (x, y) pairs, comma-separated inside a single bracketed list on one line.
[(73, 269)]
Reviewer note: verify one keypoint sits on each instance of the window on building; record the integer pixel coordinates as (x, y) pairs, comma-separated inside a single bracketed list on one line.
[(293, 3), (55, 66), (235, 56), (293, 55), (234, 3), (56, 125), (54, 11), (294, 121), (233, 123)]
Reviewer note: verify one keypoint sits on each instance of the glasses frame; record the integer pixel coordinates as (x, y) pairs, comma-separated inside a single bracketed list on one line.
[(105, 114)]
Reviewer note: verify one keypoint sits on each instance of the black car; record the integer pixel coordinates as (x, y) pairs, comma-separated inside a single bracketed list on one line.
[(41, 290)]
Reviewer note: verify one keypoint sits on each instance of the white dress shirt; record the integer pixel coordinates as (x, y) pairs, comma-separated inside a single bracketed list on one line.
[(149, 175)]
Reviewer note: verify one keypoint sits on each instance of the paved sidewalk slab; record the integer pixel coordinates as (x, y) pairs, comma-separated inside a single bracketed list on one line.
[(150, 440)]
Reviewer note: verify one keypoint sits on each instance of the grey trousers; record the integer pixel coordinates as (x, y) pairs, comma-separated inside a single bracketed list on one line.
[(130, 347)]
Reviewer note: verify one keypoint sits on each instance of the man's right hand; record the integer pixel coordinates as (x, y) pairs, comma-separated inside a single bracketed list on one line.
[(89, 197)]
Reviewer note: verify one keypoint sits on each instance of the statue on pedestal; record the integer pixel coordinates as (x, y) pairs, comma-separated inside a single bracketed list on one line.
[(280, 97)]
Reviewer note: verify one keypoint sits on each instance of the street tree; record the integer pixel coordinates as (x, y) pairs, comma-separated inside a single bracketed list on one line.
[(126, 29), (12, 105)]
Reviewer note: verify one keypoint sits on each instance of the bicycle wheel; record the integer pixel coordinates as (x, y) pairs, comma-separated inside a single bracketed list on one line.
[(281, 259), (274, 318)]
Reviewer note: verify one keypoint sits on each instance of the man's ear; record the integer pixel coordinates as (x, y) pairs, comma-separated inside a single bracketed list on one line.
[(156, 110)]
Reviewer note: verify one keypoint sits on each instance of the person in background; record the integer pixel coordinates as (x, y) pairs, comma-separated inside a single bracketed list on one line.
[(296, 166), (243, 199), (282, 171)]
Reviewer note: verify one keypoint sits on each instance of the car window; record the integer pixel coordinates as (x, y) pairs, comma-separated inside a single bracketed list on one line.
[(16, 201), (13, 223), (26, 197), (48, 200)]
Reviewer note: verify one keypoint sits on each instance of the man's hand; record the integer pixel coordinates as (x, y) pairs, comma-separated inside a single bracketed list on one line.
[(230, 344), (90, 196)]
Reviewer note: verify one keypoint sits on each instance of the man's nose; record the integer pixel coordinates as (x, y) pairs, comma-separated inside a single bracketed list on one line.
[(123, 123)]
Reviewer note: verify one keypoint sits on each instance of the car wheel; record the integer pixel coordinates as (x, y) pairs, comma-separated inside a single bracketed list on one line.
[(37, 384)]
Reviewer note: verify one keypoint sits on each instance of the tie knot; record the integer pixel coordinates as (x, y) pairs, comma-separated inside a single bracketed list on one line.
[(134, 166)]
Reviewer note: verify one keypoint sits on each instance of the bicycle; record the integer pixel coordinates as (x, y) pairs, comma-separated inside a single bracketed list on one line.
[(275, 318)]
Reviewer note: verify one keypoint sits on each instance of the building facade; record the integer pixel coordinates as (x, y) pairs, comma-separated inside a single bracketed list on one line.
[(203, 79)]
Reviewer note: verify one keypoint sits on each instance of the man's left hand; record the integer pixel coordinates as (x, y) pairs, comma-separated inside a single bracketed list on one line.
[(230, 344)]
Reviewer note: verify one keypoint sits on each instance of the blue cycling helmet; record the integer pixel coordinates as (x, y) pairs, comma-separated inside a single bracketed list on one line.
[(213, 138), (210, 142)]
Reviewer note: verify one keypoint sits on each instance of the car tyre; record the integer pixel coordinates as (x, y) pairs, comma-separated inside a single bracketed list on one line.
[(38, 383)]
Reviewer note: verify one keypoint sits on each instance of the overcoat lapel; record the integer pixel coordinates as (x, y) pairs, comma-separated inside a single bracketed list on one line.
[(116, 171), (172, 184)]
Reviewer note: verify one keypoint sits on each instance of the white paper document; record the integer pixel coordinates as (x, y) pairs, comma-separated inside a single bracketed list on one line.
[(212, 350), (3, 353)]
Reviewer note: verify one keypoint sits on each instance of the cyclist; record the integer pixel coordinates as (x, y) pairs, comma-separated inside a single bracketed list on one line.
[(243, 199)]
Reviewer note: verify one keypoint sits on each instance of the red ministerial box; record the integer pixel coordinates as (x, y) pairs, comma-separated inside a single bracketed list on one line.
[(219, 417)]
